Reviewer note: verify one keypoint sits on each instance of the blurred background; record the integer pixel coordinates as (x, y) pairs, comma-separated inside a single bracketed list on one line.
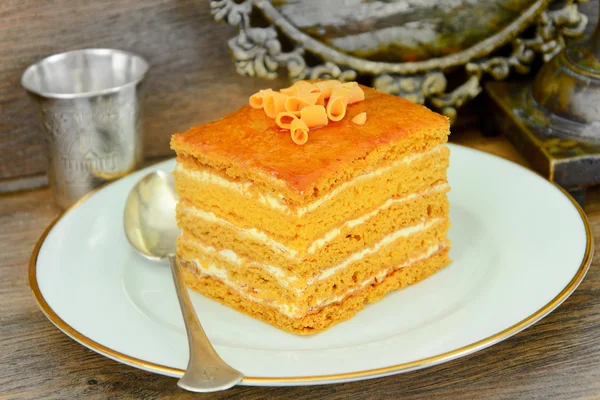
[(192, 78)]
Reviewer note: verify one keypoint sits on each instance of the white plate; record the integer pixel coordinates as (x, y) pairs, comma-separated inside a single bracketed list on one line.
[(520, 246)]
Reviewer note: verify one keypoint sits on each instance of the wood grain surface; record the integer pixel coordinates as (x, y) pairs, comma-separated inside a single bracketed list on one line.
[(191, 80), (557, 358)]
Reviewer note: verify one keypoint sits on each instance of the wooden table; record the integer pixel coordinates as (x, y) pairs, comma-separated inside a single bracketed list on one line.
[(558, 357)]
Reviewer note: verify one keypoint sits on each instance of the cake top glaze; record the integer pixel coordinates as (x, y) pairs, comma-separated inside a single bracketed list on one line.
[(247, 144)]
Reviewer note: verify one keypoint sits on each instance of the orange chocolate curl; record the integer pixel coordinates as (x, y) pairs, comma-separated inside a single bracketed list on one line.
[(299, 131), (257, 99), (315, 98), (294, 104), (314, 116), (356, 93), (360, 119), (289, 91), (336, 107), (304, 87), (300, 89), (274, 103), (285, 119), (341, 91), (327, 86)]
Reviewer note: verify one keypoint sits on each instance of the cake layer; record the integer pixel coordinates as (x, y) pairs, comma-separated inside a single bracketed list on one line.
[(248, 145), (239, 204), (331, 247), (278, 287), (323, 317)]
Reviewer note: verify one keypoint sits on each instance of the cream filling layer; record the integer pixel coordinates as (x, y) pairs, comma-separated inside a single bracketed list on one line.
[(251, 233), (292, 254), (386, 240), (278, 274), (277, 201), (380, 276), (287, 280), (332, 234), (292, 310), (213, 271)]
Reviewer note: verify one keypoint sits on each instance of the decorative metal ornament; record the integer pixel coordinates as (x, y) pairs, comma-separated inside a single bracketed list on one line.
[(405, 47), (555, 121)]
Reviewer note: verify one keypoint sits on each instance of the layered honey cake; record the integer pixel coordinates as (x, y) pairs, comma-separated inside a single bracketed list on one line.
[(306, 204)]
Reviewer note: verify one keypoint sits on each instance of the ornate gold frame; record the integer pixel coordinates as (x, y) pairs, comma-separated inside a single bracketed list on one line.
[(258, 52), (264, 381)]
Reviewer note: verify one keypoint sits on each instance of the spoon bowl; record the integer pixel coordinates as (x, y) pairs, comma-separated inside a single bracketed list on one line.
[(149, 218)]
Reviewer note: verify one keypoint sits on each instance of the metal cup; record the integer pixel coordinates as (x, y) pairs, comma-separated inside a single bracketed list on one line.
[(91, 113)]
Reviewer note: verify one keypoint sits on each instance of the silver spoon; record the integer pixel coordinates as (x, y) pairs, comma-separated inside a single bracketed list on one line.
[(151, 228)]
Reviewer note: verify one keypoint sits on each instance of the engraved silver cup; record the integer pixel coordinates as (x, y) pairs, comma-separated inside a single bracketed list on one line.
[(90, 104)]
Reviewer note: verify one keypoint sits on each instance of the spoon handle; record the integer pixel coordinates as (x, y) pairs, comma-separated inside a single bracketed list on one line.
[(206, 371)]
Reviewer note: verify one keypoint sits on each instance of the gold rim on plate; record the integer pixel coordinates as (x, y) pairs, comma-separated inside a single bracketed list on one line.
[(250, 380)]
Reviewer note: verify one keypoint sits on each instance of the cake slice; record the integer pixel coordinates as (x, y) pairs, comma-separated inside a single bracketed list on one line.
[(303, 236)]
